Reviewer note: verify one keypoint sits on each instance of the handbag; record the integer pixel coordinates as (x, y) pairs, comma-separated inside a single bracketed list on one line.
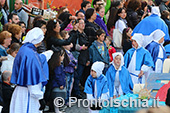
[(117, 39)]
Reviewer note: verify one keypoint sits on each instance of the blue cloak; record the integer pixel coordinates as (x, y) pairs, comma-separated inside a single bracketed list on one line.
[(30, 68), (142, 57), (153, 48), (101, 85), (124, 77), (150, 24), (167, 49)]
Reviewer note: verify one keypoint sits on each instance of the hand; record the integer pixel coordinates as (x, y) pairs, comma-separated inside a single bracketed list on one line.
[(42, 104), (75, 67), (88, 62), (84, 47), (72, 17), (140, 74), (114, 96), (61, 87), (3, 58)]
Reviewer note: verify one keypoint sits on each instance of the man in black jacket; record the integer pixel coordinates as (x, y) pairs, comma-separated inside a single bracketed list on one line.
[(7, 91)]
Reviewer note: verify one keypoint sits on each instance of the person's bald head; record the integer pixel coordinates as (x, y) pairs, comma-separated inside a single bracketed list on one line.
[(18, 4), (6, 76)]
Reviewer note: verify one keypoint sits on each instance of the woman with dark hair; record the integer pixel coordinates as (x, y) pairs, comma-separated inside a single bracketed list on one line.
[(4, 9), (126, 42), (120, 20), (132, 15), (143, 11), (23, 26), (165, 17), (53, 35), (91, 27)]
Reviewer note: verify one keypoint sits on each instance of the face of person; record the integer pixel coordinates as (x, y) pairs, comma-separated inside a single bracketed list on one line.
[(107, 42), (14, 53), (101, 37), (94, 15), (87, 6), (18, 4), (134, 44), (122, 14), (81, 25), (7, 41), (44, 29), (129, 33), (102, 12), (98, 4), (15, 19), (161, 40), (93, 74), (80, 16), (2, 2), (57, 28), (18, 36), (23, 28), (117, 60)]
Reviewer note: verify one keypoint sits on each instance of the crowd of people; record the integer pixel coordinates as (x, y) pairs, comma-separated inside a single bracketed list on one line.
[(102, 51)]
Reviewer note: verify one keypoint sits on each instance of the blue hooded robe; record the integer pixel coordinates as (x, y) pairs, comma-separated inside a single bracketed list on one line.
[(153, 48), (30, 68), (124, 77), (101, 85), (150, 24)]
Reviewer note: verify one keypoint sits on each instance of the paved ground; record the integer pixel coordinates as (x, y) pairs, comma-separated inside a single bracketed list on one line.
[(76, 109)]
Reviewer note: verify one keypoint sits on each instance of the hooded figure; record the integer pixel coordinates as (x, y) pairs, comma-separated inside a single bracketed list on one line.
[(96, 85), (30, 73), (152, 23), (119, 79), (138, 60), (156, 49)]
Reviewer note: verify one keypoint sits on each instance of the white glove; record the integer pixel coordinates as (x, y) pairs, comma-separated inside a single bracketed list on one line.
[(48, 54)]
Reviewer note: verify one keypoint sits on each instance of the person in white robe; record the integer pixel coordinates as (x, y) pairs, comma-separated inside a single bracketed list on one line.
[(96, 87), (30, 75), (138, 60)]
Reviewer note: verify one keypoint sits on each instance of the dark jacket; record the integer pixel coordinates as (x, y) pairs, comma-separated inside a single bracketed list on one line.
[(96, 56), (15, 40), (132, 18), (7, 91), (58, 42), (41, 48), (167, 23), (59, 79), (90, 30)]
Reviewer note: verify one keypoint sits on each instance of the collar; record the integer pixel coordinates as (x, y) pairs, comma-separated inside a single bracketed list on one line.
[(10, 56), (2, 47), (6, 83), (19, 10)]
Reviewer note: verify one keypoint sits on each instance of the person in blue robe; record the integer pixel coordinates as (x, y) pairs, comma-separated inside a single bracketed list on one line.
[(30, 73), (118, 77), (151, 23), (96, 86), (157, 50), (138, 60)]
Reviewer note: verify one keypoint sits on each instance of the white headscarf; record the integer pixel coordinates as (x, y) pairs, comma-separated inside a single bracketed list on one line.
[(154, 36), (34, 36), (98, 68), (157, 35), (122, 58), (155, 10), (138, 37)]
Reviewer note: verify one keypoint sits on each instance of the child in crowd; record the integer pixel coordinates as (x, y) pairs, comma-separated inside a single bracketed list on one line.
[(138, 60), (96, 86), (118, 77), (111, 49), (7, 90), (98, 50), (155, 47), (69, 70), (12, 52), (126, 42), (57, 75)]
